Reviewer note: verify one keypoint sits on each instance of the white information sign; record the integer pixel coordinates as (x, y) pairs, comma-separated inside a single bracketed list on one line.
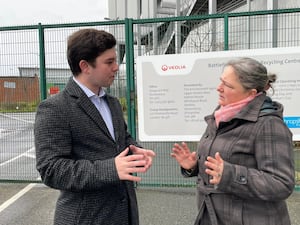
[(176, 92), (8, 84)]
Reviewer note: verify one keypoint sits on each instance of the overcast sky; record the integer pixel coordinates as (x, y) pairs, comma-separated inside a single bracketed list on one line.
[(32, 12)]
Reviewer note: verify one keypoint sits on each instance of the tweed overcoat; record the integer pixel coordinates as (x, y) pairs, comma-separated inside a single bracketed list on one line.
[(258, 172), (75, 154)]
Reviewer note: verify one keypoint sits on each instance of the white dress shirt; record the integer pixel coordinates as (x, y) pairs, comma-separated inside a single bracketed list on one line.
[(101, 104)]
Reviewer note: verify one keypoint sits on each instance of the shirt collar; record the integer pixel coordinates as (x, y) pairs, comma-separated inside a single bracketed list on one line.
[(87, 91)]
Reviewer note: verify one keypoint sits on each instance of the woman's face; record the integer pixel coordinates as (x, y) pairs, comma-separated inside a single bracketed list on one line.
[(230, 89)]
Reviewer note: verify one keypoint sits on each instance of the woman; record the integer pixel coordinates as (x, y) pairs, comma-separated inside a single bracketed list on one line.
[(244, 163)]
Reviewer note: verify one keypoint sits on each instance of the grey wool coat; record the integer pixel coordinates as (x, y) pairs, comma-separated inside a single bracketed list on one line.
[(75, 154), (258, 171)]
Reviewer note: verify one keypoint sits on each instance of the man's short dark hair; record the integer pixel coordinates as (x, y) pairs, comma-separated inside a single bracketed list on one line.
[(87, 44)]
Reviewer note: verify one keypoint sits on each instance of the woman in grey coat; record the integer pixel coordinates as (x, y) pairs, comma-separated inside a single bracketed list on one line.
[(244, 162)]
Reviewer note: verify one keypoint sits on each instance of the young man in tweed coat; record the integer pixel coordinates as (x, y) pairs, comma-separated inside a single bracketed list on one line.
[(82, 145)]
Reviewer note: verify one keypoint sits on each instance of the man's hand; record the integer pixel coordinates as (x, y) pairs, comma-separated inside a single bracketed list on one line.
[(139, 162), (148, 154)]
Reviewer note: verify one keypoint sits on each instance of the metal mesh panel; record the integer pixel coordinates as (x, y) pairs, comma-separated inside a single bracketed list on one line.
[(20, 68), (18, 100)]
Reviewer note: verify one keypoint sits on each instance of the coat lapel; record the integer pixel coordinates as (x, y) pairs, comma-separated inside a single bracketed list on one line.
[(86, 105)]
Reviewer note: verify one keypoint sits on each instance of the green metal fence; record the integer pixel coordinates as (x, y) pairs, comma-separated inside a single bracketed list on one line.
[(39, 52)]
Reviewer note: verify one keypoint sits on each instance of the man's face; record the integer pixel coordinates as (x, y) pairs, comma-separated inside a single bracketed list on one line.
[(102, 73)]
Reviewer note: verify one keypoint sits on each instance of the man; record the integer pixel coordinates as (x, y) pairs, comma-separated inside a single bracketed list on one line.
[(81, 139)]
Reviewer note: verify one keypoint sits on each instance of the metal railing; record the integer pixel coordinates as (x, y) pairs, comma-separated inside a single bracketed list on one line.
[(40, 51)]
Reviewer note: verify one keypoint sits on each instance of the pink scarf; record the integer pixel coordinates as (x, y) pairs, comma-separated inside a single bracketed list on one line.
[(227, 112)]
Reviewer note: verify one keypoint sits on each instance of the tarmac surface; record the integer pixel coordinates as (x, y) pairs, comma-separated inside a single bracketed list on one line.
[(33, 204)]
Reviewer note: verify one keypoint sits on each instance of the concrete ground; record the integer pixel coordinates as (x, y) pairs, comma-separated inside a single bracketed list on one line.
[(177, 206), (25, 204)]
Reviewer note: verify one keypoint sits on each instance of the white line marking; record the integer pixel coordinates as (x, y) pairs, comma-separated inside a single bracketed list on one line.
[(17, 157), (16, 196), (30, 155)]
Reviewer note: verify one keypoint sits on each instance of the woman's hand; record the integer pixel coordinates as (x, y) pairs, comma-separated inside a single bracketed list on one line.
[(183, 155), (215, 168)]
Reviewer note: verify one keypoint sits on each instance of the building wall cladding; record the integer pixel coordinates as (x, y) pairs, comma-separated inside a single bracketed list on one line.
[(19, 89)]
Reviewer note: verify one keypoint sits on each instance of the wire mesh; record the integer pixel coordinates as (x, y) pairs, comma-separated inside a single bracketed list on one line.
[(20, 59)]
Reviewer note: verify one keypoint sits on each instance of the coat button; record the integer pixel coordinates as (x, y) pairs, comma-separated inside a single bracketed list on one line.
[(243, 179)]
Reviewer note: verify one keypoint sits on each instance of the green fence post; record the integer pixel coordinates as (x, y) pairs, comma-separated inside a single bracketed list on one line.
[(226, 32), (130, 94), (43, 82)]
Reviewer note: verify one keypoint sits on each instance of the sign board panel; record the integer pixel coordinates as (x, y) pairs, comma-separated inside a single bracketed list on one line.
[(176, 92), (8, 84)]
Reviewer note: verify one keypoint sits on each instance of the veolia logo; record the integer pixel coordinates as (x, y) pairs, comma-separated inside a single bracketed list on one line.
[(172, 67)]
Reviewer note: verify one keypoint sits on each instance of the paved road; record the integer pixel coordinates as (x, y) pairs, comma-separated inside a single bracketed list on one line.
[(33, 204), (158, 206), (17, 156)]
